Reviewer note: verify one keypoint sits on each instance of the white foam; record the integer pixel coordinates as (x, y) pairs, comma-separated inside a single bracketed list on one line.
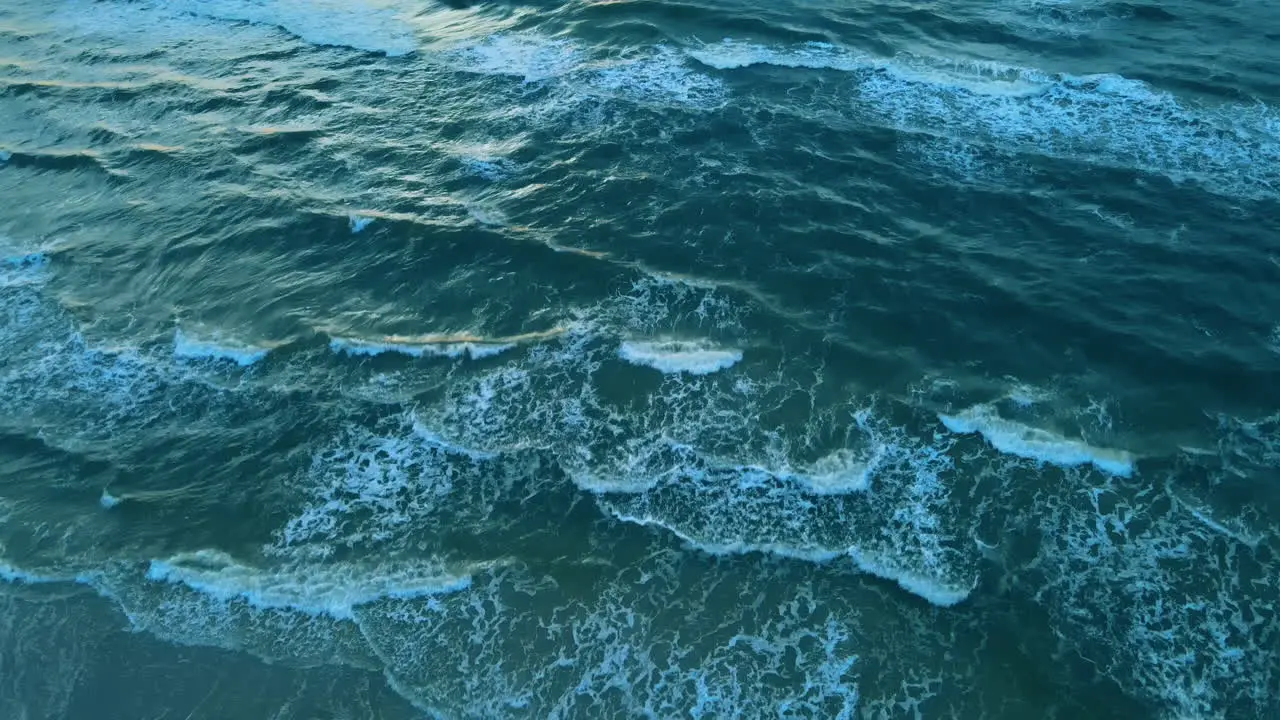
[(486, 216), (11, 574), (491, 169), (185, 346), (371, 486), (1025, 396), (930, 589), (842, 472), (937, 593), (530, 57), (484, 350), (1032, 443), (17, 576), (358, 222), (370, 348), (658, 75), (963, 104), (1105, 118), (662, 77), (21, 268), (1239, 534), (332, 589), (679, 356)]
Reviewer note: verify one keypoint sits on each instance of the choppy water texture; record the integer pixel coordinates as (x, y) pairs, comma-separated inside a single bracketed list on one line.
[(707, 359)]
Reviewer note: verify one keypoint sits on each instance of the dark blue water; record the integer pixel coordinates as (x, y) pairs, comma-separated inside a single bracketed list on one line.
[(712, 359)]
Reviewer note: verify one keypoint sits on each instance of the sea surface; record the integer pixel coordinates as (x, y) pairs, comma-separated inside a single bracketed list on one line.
[(639, 359)]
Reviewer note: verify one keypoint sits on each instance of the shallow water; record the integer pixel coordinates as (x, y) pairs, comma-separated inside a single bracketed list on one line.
[(391, 358)]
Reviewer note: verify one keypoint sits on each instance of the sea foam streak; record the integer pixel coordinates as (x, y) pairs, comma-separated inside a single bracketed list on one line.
[(1032, 443), (185, 346), (679, 356)]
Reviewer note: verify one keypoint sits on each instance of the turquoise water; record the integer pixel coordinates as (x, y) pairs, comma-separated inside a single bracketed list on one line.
[(398, 358)]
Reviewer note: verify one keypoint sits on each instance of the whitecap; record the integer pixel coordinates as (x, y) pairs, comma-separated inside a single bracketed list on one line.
[(933, 590), (187, 347), (658, 75), (730, 54), (358, 223), (370, 348), (662, 77), (841, 472), (1103, 118), (21, 268), (961, 105), (333, 589), (13, 574), (1024, 441), (679, 356), (530, 57)]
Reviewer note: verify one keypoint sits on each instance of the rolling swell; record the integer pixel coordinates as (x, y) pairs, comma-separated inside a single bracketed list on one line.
[(573, 361), (878, 502)]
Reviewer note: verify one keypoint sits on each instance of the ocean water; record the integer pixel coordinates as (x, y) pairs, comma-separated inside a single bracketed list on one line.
[(625, 358)]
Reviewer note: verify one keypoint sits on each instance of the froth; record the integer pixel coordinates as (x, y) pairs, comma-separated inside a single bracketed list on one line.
[(1032, 443), (679, 356), (529, 57), (936, 592), (842, 471), (358, 223), (958, 105), (1106, 118), (656, 76), (920, 584), (371, 348), (333, 589), (369, 487), (730, 54), (190, 348), (21, 268)]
